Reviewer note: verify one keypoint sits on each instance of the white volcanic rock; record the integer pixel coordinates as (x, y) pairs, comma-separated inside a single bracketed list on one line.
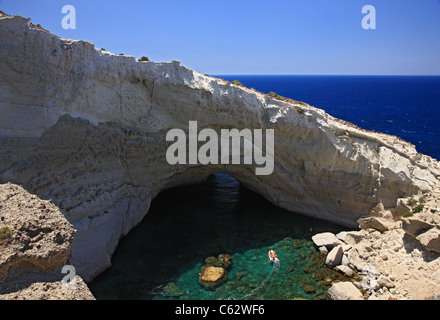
[(378, 223), (326, 239), (39, 236), (87, 129), (430, 239), (334, 257), (394, 259), (415, 226)]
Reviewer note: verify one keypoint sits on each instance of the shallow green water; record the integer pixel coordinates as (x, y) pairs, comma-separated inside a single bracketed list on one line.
[(163, 256), (301, 274)]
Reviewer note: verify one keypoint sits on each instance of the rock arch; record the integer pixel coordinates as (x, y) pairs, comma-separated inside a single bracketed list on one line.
[(86, 129)]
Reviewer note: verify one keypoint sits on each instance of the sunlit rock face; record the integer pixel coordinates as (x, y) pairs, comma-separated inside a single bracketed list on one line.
[(87, 129)]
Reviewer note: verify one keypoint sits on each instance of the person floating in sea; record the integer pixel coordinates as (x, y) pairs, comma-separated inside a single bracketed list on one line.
[(272, 256)]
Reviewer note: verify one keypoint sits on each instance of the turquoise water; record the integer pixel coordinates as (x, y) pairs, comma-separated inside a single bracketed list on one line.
[(163, 256), (300, 274)]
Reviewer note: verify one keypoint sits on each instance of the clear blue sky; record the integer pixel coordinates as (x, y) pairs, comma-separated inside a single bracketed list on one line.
[(256, 36)]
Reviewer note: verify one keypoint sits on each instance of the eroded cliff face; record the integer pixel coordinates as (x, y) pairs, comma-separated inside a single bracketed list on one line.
[(87, 129), (35, 244)]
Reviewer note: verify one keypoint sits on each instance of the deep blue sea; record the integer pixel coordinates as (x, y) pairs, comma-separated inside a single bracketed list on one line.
[(405, 106)]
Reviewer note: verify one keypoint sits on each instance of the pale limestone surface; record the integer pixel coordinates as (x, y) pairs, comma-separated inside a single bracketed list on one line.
[(399, 262)]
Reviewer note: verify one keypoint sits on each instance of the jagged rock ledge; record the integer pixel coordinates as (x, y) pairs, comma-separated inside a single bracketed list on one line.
[(397, 257), (86, 129)]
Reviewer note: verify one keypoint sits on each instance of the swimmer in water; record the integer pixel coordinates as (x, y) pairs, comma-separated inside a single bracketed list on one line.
[(272, 256)]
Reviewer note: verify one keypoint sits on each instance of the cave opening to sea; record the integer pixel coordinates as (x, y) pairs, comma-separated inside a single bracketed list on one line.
[(162, 257)]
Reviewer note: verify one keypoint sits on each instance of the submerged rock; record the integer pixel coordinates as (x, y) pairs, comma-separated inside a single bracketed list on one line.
[(211, 276), (213, 261), (172, 290), (225, 260)]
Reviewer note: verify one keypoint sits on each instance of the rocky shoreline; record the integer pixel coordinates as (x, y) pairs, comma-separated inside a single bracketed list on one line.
[(396, 262)]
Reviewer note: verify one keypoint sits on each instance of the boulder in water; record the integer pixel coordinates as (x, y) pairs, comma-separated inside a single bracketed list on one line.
[(326, 239), (211, 276)]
